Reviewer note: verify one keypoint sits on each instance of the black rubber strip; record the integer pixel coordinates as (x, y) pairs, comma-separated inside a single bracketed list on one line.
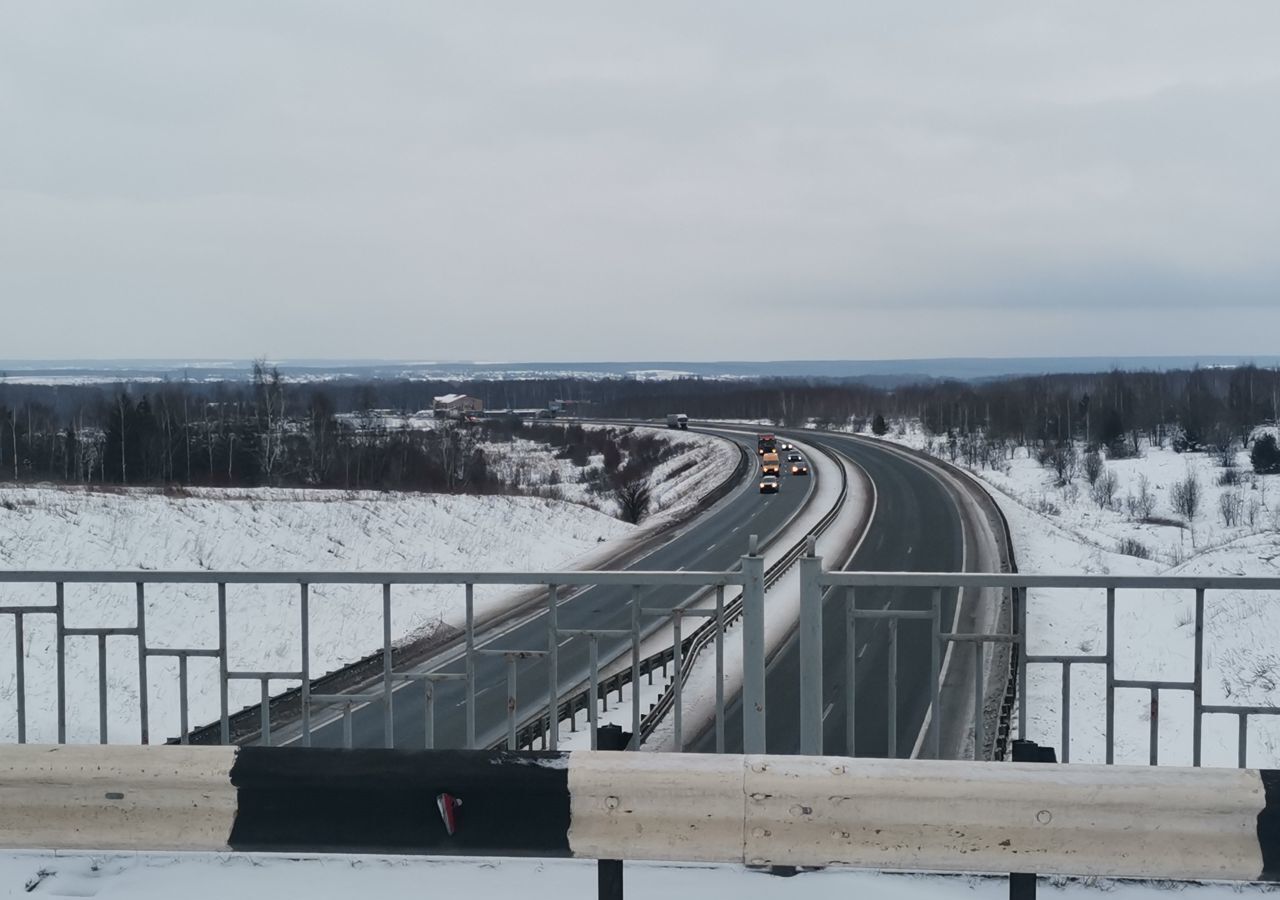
[(1269, 826), (384, 801)]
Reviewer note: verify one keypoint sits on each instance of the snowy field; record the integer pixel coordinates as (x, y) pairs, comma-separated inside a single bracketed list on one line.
[(271, 530), (200, 876), (1075, 529), (263, 529)]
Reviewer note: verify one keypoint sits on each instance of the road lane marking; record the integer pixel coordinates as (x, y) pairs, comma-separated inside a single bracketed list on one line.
[(826, 712)]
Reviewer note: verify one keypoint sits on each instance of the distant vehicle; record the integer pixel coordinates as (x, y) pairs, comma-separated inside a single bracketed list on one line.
[(769, 484), (769, 464), (800, 468), (546, 414), (786, 445), (765, 443), (677, 420), (793, 456)]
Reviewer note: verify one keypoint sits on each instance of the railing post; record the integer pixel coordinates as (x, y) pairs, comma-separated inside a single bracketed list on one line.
[(471, 667), (810, 652), (553, 667), (753, 671), (388, 714)]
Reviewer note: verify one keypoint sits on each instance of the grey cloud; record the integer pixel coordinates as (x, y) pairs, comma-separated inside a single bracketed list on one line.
[(581, 181)]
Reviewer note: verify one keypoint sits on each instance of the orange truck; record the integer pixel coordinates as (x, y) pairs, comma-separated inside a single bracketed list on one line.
[(769, 463)]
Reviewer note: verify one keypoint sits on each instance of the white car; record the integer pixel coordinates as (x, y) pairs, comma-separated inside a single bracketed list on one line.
[(769, 484)]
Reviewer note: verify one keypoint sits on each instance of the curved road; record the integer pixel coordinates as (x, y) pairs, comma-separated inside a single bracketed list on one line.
[(917, 527), (715, 541)]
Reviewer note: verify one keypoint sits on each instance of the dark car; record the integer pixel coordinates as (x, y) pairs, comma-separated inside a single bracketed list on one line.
[(800, 468)]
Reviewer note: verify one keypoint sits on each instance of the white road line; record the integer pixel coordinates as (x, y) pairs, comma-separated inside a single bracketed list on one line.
[(826, 712), (863, 650)]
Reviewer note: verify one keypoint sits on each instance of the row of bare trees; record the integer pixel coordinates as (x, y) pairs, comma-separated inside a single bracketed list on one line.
[(266, 430)]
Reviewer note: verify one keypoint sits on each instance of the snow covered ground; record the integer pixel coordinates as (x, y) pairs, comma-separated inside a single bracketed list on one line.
[(215, 876), (1064, 529), (264, 529), (699, 462), (272, 530)]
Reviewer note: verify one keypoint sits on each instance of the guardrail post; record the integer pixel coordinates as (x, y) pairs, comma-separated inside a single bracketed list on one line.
[(810, 652), (753, 672), (1022, 885), (609, 871)]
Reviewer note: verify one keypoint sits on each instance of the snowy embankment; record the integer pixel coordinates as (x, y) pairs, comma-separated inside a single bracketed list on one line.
[(268, 530), (698, 463), (1073, 528)]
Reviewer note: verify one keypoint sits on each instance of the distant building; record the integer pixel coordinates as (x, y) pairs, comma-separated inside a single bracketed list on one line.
[(456, 405)]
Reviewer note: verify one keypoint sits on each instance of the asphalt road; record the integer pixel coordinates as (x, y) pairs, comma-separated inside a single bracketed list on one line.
[(917, 527), (715, 542)]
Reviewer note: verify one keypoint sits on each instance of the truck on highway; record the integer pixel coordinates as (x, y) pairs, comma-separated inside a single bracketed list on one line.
[(769, 463), (677, 420), (765, 443)]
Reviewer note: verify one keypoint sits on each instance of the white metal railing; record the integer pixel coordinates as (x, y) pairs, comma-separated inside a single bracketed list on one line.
[(494, 684)]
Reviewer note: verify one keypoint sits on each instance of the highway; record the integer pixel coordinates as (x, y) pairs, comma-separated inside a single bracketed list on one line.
[(714, 541), (917, 527)]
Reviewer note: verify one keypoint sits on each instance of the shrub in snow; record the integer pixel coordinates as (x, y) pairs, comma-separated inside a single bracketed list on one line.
[(1093, 466), (878, 426), (1104, 490), (1230, 477), (1225, 451), (1142, 504), (1265, 455), (1063, 460), (1231, 508), (1130, 547), (1185, 441), (1254, 512), (1185, 496), (1047, 507)]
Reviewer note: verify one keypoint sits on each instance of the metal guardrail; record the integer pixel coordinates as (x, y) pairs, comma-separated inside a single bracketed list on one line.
[(980, 818)]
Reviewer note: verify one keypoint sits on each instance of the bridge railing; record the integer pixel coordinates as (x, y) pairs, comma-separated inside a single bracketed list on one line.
[(847, 592), (59, 663)]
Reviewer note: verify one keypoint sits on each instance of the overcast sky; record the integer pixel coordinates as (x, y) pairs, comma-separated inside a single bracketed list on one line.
[(597, 181)]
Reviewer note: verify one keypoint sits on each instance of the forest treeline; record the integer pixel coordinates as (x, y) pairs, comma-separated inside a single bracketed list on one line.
[(268, 431)]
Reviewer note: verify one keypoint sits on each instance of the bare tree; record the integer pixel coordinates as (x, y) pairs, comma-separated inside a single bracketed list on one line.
[(1141, 505), (1093, 466), (633, 499), (1185, 496), (1104, 489), (269, 392)]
